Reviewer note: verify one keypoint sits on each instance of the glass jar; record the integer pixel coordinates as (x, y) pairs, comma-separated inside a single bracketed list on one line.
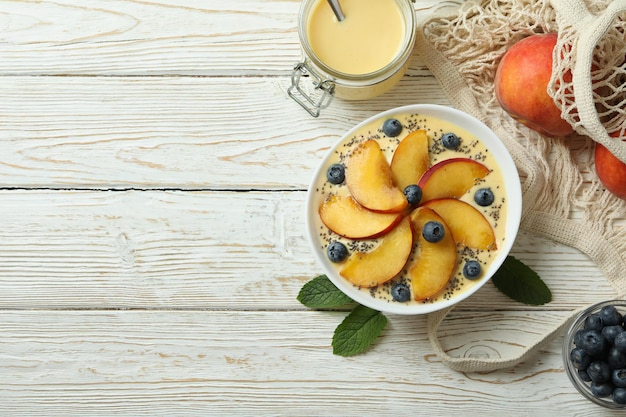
[(581, 382), (349, 84)]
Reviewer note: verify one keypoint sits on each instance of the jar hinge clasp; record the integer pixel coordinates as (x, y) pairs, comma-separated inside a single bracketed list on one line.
[(311, 104)]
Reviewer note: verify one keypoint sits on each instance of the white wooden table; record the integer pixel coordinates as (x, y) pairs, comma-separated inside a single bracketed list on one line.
[(152, 238)]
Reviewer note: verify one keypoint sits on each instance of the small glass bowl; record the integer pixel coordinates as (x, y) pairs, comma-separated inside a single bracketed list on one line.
[(568, 344)]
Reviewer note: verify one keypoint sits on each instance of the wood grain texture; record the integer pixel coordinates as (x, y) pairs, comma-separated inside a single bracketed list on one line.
[(242, 363), (164, 132), (162, 37), (153, 176), (211, 249)]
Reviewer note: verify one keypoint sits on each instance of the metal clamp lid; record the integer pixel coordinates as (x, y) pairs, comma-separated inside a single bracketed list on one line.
[(312, 102)]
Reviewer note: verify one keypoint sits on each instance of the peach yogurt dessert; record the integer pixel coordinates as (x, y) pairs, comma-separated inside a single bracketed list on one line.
[(410, 209)]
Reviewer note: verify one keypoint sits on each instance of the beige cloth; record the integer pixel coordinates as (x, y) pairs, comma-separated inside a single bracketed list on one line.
[(463, 51)]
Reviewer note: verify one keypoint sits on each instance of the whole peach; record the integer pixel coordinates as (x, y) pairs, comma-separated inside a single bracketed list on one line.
[(521, 85), (611, 171)]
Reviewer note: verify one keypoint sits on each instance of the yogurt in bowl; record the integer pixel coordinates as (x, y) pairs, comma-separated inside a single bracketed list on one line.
[(414, 209)]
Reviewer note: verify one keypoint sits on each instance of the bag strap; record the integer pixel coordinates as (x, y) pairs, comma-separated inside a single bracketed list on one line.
[(595, 246), (473, 364)]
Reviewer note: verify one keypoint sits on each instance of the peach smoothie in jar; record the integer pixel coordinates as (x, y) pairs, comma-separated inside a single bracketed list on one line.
[(380, 243), (358, 58), (368, 39)]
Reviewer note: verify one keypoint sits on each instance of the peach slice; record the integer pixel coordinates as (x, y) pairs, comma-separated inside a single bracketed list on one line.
[(410, 159), (435, 262), (451, 178), (369, 269), (469, 226), (346, 217), (370, 180)]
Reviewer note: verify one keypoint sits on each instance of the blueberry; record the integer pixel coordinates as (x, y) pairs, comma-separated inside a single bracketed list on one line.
[(616, 359), (619, 395), (450, 140), (392, 127), (601, 389), (583, 375), (611, 332), (579, 358), (337, 252), (472, 269), (610, 316), (413, 194), (336, 174), (484, 197), (599, 372), (578, 337), (433, 231), (618, 377), (593, 343), (620, 342), (594, 322), (401, 293)]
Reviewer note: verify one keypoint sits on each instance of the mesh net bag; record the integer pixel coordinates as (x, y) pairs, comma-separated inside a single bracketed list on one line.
[(589, 74), (463, 49)]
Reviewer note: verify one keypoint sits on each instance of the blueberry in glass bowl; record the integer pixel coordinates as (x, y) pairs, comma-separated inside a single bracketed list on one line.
[(594, 353)]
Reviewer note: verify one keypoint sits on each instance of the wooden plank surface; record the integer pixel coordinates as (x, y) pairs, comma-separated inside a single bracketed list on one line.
[(204, 249), (242, 363), (171, 132), (153, 178), (162, 37)]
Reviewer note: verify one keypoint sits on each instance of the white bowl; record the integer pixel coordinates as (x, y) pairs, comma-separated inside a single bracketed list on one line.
[(513, 200)]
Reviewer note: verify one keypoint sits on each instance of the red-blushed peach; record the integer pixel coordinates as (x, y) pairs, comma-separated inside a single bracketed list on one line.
[(611, 171), (451, 178), (347, 218), (370, 180), (469, 227), (435, 262), (410, 159), (521, 85), (369, 269)]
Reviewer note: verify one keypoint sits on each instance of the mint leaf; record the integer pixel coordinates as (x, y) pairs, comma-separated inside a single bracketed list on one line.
[(320, 292), (358, 331), (521, 283)]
